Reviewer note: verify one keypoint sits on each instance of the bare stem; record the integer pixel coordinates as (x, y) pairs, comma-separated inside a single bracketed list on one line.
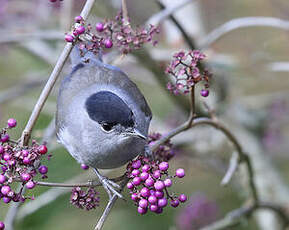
[(51, 81), (124, 12)]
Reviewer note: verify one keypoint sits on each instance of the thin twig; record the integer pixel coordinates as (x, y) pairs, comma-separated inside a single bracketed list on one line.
[(124, 12), (233, 165), (109, 206), (51, 81)]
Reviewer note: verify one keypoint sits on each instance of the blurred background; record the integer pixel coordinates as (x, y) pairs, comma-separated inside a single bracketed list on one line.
[(247, 47)]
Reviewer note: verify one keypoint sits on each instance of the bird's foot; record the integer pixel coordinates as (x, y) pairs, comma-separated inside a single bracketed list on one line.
[(110, 186), (148, 153)]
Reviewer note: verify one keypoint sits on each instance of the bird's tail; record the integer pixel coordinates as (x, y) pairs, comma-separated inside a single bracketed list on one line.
[(76, 56)]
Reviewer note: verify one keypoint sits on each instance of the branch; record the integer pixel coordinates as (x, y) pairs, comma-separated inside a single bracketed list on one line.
[(124, 12), (51, 81), (238, 23)]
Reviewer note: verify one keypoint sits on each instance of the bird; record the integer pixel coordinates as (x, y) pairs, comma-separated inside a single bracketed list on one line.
[(102, 118)]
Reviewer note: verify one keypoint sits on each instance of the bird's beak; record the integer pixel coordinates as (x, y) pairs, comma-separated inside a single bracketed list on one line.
[(139, 134)]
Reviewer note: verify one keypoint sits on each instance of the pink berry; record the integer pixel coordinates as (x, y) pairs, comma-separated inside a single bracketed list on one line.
[(4, 138), (108, 43), (136, 164), (25, 176), (2, 225), (152, 199), (78, 19), (2, 178), (159, 194), (143, 203), (84, 166), (80, 30), (42, 149), (141, 210), (26, 161), (180, 173), (30, 185), (159, 185), (144, 176), (134, 197), (129, 185), (157, 174), (175, 203), (43, 169), (204, 92), (163, 166), (135, 172), (11, 123), (69, 38), (5, 190), (154, 208), (1, 149), (99, 27), (25, 153), (145, 192), (168, 182), (182, 198), (136, 181), (6, 157), (162, 202), (145, 168), (149, 182)]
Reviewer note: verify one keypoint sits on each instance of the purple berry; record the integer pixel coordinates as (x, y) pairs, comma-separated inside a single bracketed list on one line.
[(43, 169), (42, 149), (78, 19), (141, 210), (154, 208), (80, 30), (175, 203), (5, 138), (2, 225), (159, 185), (162, 202), (152, 199), (149, 182), (25, 153), (136, 164), (99, 27), (182, 198), (163, 166), (108, 43), (2, 178), (11, 123), (145, 192), (6, 157), (69, 38), (168, 182), (145, 168), (135, 172), (180, 173), (144, 176), (136, 181), (159, 194), (26, 160), (157, 174), (25, 176), (134, 197), (84, 166), (204, 92), (30, 185), (6, 199), (5, 190), (143, 203), (159, 210), (129, 185), (1, 149)]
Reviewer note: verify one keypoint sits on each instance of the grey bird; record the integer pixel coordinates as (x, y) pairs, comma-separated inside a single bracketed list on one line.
[(102, 118)]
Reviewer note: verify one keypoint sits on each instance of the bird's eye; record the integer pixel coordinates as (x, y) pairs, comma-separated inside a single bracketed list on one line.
[(106, 127)]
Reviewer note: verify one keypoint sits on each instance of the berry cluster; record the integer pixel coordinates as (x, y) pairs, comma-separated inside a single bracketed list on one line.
[(149, 185), (18, 164), (111, 33), (185, 68), (88, 199)]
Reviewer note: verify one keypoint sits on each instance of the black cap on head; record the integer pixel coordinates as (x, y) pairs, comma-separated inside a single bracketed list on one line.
[(107, 107)]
